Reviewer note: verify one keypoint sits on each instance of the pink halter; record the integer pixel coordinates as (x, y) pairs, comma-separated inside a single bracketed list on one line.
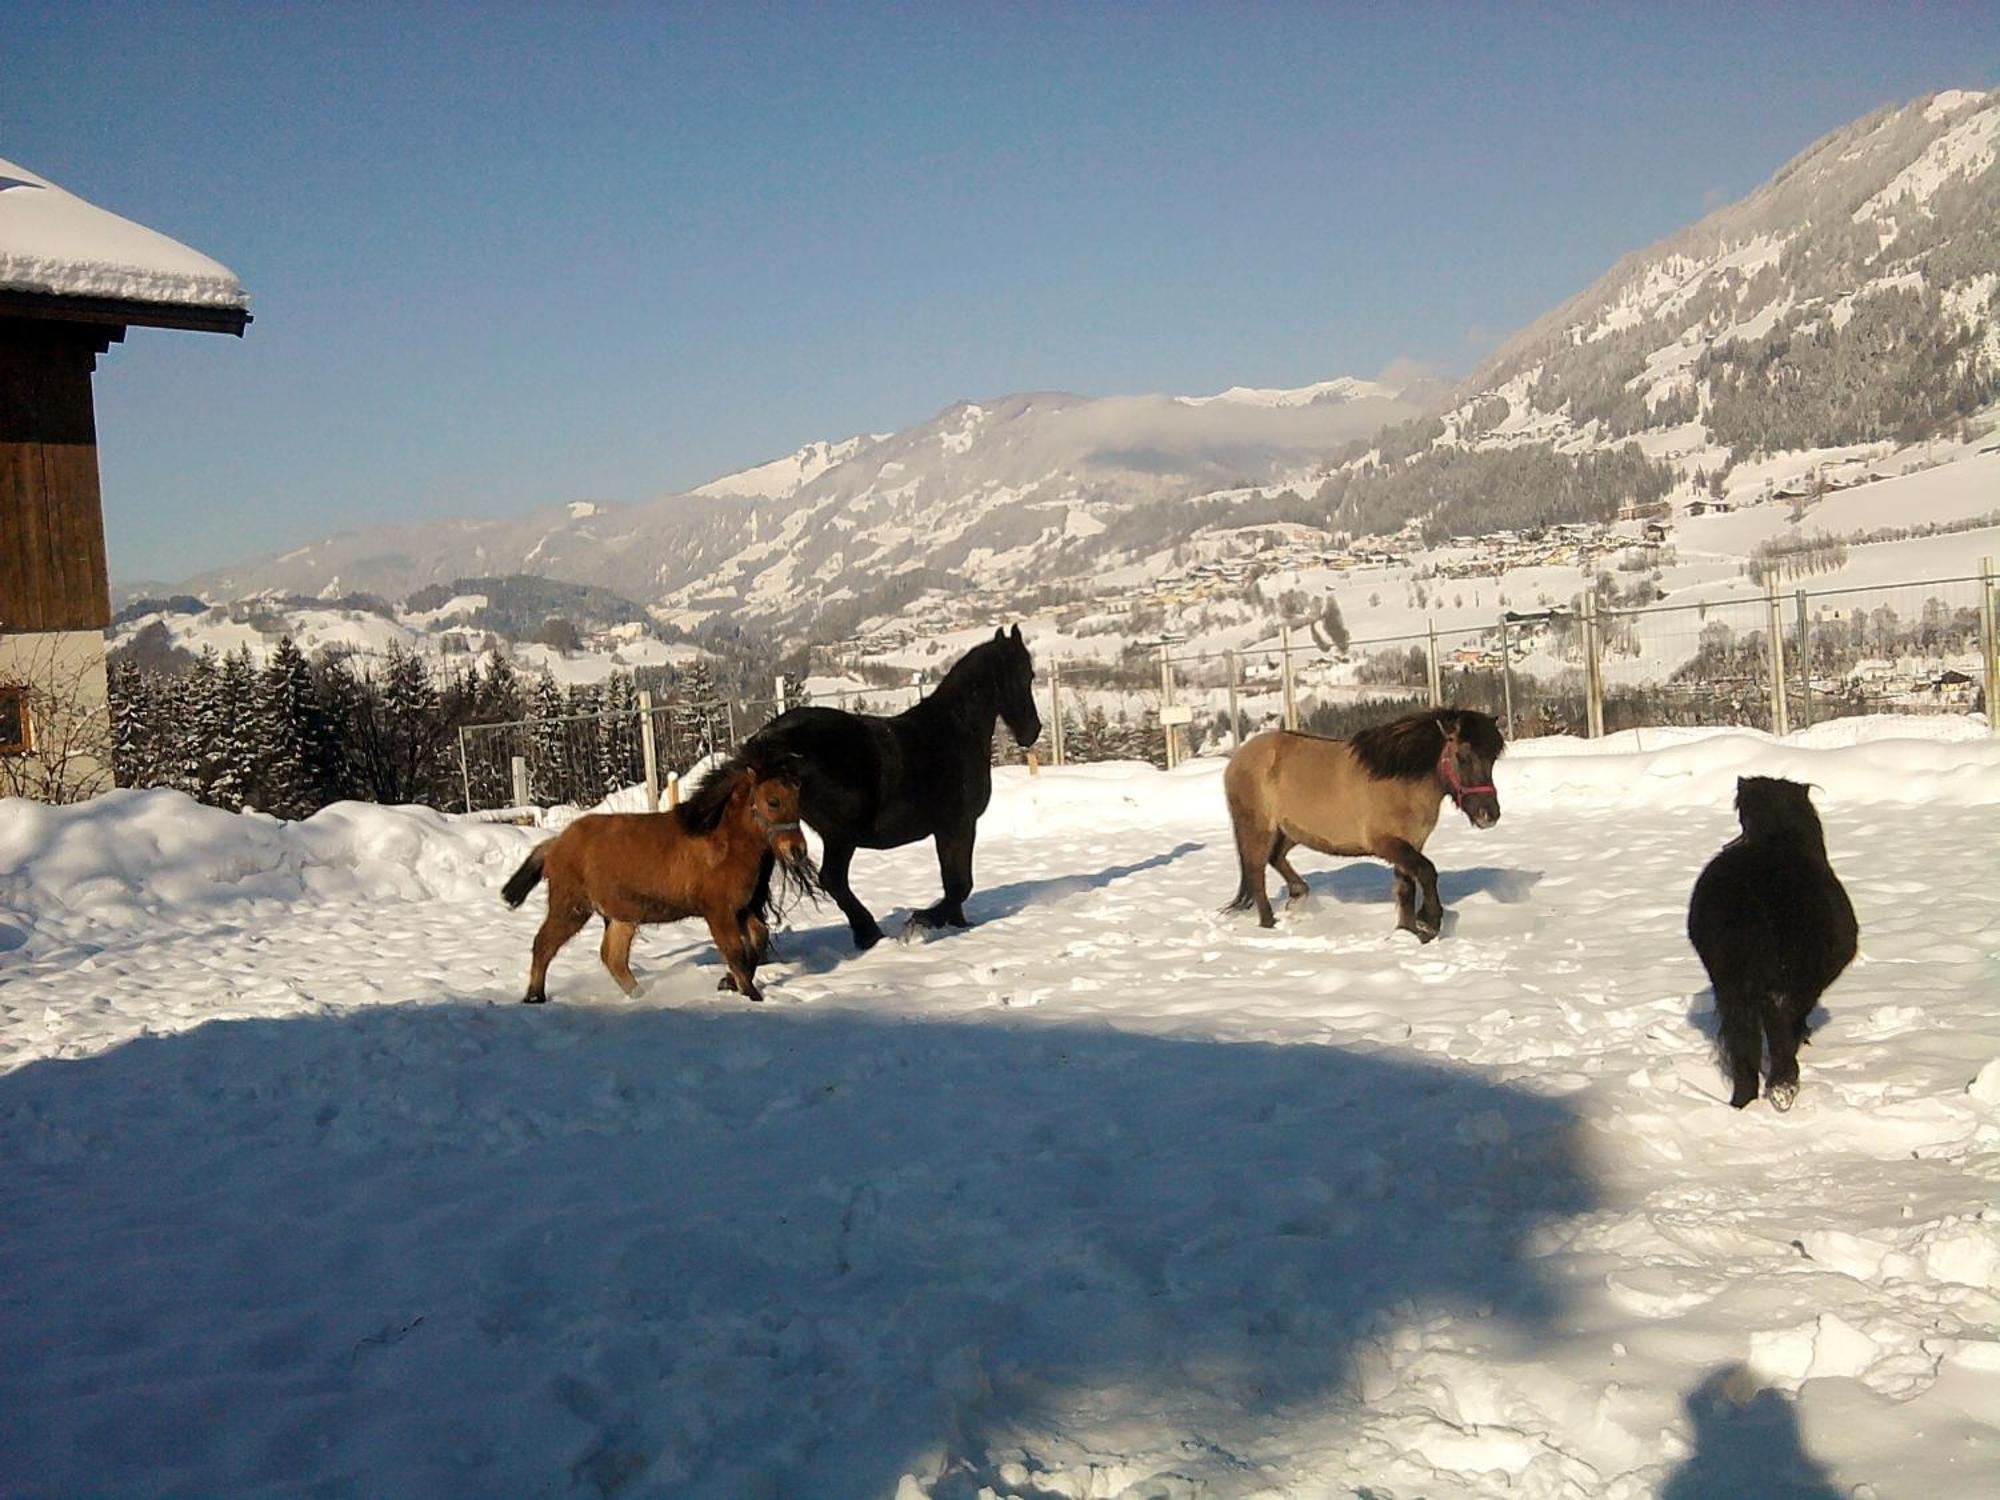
[(1448, 773)]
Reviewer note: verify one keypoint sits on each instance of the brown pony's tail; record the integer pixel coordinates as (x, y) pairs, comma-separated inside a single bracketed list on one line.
[(526, 878)]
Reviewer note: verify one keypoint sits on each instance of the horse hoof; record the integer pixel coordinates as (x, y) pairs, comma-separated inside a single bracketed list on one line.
[(863, 941), (726, 983), (1782, 1095), (754, 995), (534, 999)]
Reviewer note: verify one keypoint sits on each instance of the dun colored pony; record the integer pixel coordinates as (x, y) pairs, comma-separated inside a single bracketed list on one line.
[(1774, 928), (1377, 793), (711, 857), (878, 783)]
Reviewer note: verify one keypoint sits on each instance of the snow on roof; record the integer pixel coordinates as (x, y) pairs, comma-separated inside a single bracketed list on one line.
[(54, 243)]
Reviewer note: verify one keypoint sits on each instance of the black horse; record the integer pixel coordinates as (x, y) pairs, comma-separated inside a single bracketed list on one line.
[(878, 783)]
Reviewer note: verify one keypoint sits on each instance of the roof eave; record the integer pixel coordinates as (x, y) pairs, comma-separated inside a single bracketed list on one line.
[(56, 308)]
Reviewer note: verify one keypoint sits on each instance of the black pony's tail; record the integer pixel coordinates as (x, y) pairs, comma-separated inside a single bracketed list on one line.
[(526, 878)]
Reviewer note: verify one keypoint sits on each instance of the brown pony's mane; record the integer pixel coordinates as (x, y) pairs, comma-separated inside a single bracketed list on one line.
[(1408, 748), (702, 810)]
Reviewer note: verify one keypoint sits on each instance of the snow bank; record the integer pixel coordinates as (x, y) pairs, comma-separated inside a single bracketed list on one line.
[(130, 859)]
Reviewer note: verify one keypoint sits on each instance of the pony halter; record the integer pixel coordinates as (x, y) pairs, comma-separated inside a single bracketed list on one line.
[(1448, 773), (774, 829)]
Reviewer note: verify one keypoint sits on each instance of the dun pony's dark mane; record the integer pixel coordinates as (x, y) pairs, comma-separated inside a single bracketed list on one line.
[(702, 811), (1408, 748)]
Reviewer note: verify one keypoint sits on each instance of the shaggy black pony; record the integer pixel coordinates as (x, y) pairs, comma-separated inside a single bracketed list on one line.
[(1774, 928), (878, 783)]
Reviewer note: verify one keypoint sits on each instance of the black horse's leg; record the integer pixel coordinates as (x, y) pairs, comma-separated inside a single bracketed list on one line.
[(833, 880), (1781, 1036), (1411, 865), (954, 852), (1742, 1040)]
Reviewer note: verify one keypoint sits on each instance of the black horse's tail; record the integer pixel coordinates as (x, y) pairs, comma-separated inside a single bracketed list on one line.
[(526, 878)]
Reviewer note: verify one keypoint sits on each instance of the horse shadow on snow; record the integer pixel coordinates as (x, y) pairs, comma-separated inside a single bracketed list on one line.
[(820, 949), (459, 1248)]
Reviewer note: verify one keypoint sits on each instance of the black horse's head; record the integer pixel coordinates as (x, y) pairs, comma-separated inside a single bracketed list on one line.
[(1014, 676)]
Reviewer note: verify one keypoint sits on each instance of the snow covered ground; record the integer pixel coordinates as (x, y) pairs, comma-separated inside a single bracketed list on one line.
[(1110, 1195)]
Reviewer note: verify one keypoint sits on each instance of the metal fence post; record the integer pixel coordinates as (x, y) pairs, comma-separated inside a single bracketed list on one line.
[(1775, 631), (1166, 702), (521, 797), (778, 695), (1436, 682), (649, 750), (1057, 743), (1235, 723), (1593, 669), (1507, 672), (1988, 646), (1805, 665), (465, 767), (1285, 671)]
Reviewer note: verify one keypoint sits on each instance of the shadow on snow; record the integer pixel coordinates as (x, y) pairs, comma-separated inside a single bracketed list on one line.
[(822, 948), (1746, 1442), (484, 1249)]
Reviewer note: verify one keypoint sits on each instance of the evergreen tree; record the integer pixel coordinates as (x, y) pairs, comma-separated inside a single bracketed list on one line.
[(412, 732), (199, 735), (296, 750), (620, 762), (550, 779), (693, 719), (236, 753)]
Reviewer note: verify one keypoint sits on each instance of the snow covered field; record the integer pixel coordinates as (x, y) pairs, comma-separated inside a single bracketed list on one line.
[(1110, 1195)]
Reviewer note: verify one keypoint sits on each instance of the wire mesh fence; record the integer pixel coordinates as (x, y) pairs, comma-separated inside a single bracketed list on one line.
[(578, 760), (1776, 661)]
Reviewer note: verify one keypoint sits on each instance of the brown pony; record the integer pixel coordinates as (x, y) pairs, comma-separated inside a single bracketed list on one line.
[(710, 857), (1377, 793)]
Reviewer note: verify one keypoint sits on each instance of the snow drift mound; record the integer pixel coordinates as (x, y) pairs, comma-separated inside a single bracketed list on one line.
[(132, 858)]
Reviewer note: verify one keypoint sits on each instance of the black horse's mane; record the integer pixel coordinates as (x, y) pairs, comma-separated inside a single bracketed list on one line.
[(979, 676), (1408, 748), (702, 810)]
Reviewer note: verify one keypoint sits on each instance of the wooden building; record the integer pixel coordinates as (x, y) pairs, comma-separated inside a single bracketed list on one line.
[(73, 278)]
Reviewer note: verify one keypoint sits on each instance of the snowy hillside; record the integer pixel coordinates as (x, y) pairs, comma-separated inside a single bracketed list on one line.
[(1850, 301), (1837, 328), (784, 477), (996, 492), (1110, 1195)]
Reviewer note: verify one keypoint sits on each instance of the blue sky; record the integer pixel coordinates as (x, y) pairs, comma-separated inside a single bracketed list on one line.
[(502, 256)]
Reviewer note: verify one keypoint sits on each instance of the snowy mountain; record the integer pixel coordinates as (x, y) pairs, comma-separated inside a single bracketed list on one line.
[(992, 492), (782, 478), (1850, 305), (1806, 336)]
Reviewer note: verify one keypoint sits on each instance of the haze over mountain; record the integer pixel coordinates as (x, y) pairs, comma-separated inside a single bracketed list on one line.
[(1854, 300)]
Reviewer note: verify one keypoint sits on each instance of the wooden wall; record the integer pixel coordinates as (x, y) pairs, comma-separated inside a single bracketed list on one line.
[(52, 567)]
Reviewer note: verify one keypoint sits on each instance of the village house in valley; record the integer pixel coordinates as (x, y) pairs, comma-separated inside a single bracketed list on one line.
[(73, 278)]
